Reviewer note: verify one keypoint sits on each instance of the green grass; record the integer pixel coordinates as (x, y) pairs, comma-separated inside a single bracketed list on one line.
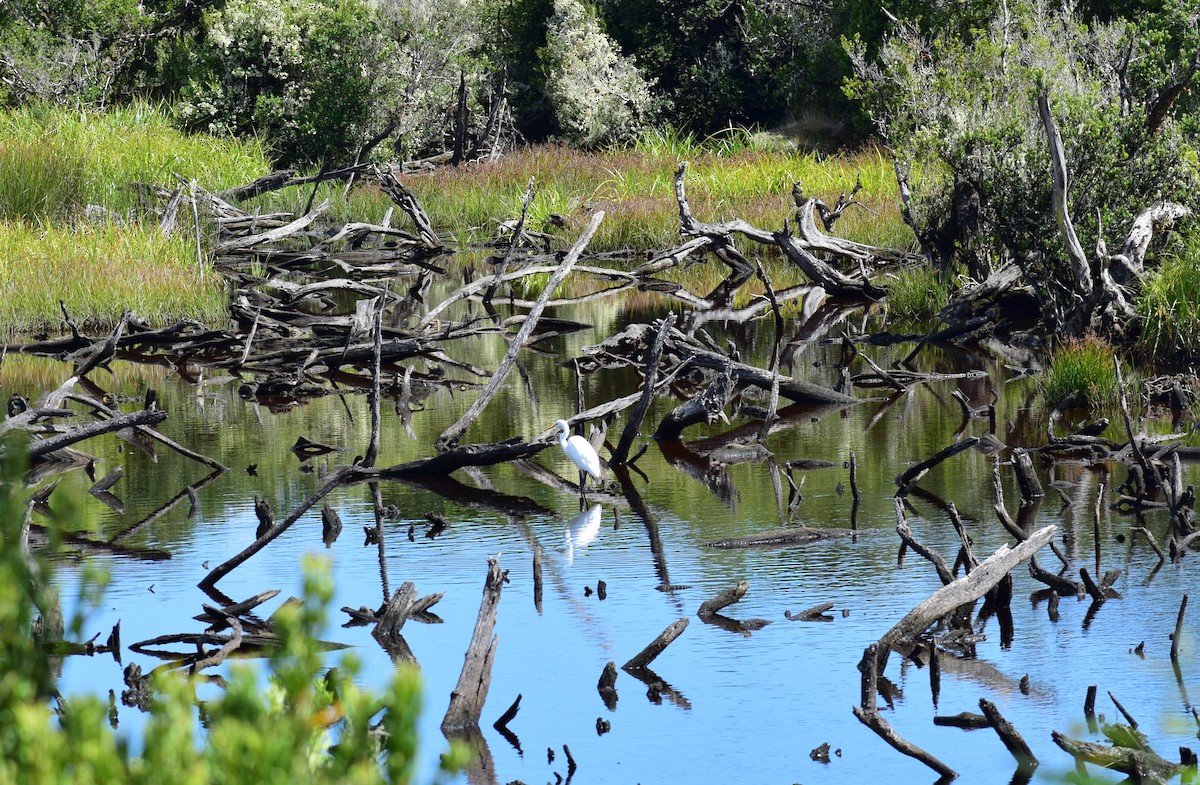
[(729, 176), (915, 293), (1085, 367), (55, 164), (1168, 306), (98, 271)]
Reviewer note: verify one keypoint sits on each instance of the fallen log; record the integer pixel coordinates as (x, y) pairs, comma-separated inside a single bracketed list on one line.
[(780, 537), (451, 435), (40, 447), (709, 607), (914, 473), (836, 283)]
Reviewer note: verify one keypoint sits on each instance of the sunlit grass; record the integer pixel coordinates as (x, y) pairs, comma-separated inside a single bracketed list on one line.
[(99, 271), (1085, 368), (1168, 306), (56, 162), (728, 177), (915, 293)]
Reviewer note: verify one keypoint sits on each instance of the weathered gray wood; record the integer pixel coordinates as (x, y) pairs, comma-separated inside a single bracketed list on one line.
[(966, 589), (249, 241), (1080, 267), (643, 658), (221, 570), (452, 434), (634, 423), (726, 598), (1144, 763), (1012, 740), (797, 536), (469, 695), (40, 447)]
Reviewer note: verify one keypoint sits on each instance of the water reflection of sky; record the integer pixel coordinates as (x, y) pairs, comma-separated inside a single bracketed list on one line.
[(753, 707)]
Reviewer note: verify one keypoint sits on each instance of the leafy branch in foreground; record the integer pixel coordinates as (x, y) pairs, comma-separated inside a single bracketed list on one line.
[(281, 734)]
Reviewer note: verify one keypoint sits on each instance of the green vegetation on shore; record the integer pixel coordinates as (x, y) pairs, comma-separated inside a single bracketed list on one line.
[(72, 227)]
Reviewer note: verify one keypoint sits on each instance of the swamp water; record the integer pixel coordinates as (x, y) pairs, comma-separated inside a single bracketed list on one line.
[(741, 707)]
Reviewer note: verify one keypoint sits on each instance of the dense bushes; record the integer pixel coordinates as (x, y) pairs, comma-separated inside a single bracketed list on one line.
[(300, 74), (965, 108)]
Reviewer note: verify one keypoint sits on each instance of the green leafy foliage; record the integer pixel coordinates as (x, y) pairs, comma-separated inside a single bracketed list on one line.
[(283, 734), (300, 74), (967, 104)]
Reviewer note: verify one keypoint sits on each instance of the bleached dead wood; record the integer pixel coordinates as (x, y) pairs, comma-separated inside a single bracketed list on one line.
[(452, 434)]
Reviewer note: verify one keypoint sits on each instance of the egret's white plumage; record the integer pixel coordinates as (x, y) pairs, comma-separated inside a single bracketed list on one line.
[(580, 451)]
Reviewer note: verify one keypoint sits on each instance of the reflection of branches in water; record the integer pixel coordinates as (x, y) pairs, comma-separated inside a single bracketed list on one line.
[(657, 688), (794, 416), (479, 498), (638, 505), (712, 474)]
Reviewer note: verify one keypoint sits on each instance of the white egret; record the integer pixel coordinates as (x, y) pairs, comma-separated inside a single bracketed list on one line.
[(581, 453)]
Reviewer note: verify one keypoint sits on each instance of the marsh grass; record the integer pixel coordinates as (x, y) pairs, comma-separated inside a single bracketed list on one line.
[(728, 177), (915, 293), (1168, 306), (98, 271), (1086, 367), (55, 164)]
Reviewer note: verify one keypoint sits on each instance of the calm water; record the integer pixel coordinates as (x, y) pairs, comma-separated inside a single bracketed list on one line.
[(751, 707)]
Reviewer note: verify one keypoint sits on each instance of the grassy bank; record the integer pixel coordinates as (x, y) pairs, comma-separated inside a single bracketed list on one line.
[(56, 164), (98, 271), (729, 176)]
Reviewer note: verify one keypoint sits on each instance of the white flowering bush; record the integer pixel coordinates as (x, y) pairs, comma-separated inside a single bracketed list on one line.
[(598, 96), (298, 73)]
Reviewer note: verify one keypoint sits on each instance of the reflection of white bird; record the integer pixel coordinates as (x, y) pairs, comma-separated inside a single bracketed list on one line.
[(582, 530), (581, 453)]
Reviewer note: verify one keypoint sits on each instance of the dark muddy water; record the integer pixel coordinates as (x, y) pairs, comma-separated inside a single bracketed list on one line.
[(746, 708)]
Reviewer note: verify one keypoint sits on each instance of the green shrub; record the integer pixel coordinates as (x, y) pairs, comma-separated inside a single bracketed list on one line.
[(278, 735), (598, 96), (967, 104), (299, 74), (1168, 306)]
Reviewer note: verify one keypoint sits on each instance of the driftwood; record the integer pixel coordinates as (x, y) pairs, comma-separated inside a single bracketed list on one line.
[(726, 598), (1142, 763), (707, 407), (827, 277), (633, 424), (451, 435), (228, 566), (815, 613), (1026, 760), (42, 447), (468, 696), (945, 600), (642, 659), (780, 537), (913, 474)]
